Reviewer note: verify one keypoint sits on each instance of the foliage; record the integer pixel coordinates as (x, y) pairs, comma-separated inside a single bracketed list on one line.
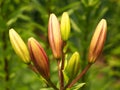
[(30, 18)]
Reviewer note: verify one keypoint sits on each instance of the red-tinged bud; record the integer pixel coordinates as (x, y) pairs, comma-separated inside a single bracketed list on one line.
[(97, 41), (39, 57), (54, 36)]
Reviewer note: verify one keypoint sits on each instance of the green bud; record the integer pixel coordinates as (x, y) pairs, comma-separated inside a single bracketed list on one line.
[(19, 46), (65, 26), (73, 66)]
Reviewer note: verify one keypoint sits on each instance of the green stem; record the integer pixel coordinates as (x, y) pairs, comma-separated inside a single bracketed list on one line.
[(33, 68), (50, 83), (69, 85)]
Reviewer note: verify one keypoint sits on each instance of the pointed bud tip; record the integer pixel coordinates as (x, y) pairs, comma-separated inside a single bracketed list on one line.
[(11, 31), (76, 53), (104, 23), (31, 38), (65, 13), (52, 15)]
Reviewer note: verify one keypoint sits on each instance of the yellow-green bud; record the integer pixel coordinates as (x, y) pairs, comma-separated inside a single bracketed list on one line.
[(65, 26), (73, 66), (19, 46), (97, 41), (39, 57)]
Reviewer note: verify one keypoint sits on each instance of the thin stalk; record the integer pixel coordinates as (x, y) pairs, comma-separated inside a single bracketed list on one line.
[(69, 85), (50, 83), (63, 56), (61, 67), (33, 68), (60, 76)]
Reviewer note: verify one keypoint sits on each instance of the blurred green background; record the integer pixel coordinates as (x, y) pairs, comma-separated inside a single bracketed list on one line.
[(30, 18)]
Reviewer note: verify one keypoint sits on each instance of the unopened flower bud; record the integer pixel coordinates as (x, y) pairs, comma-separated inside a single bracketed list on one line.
[(97, 41), (39, 57), (65, 26), (73, 66), (54, 36), (19, 46)]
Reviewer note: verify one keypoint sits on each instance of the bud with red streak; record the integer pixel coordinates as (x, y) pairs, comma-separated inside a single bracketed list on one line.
[(54, 36), (97, 41), (39, 57)]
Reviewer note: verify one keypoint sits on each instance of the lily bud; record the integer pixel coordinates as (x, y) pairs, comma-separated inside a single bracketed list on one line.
[(73, 66), (97, 41), (39, 57), (19, 46), (54, 36), (65, 26)]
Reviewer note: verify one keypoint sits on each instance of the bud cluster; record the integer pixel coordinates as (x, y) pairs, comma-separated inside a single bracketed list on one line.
[(58, 33)]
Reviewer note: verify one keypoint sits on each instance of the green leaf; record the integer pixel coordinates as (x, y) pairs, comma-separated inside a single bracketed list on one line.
[(73, 6), (93, 2), (75, 26), (85, 3), (78, 86), (66, 78)]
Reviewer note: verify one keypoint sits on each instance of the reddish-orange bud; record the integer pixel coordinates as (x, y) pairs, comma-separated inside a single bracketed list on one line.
[(97, 41), (39, 57), (54, 36)]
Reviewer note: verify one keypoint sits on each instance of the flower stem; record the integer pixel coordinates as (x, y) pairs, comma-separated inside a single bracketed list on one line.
[(50, 83), (60, 76), (69, 85), (63, 56), (61, 67), (33, 68)]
